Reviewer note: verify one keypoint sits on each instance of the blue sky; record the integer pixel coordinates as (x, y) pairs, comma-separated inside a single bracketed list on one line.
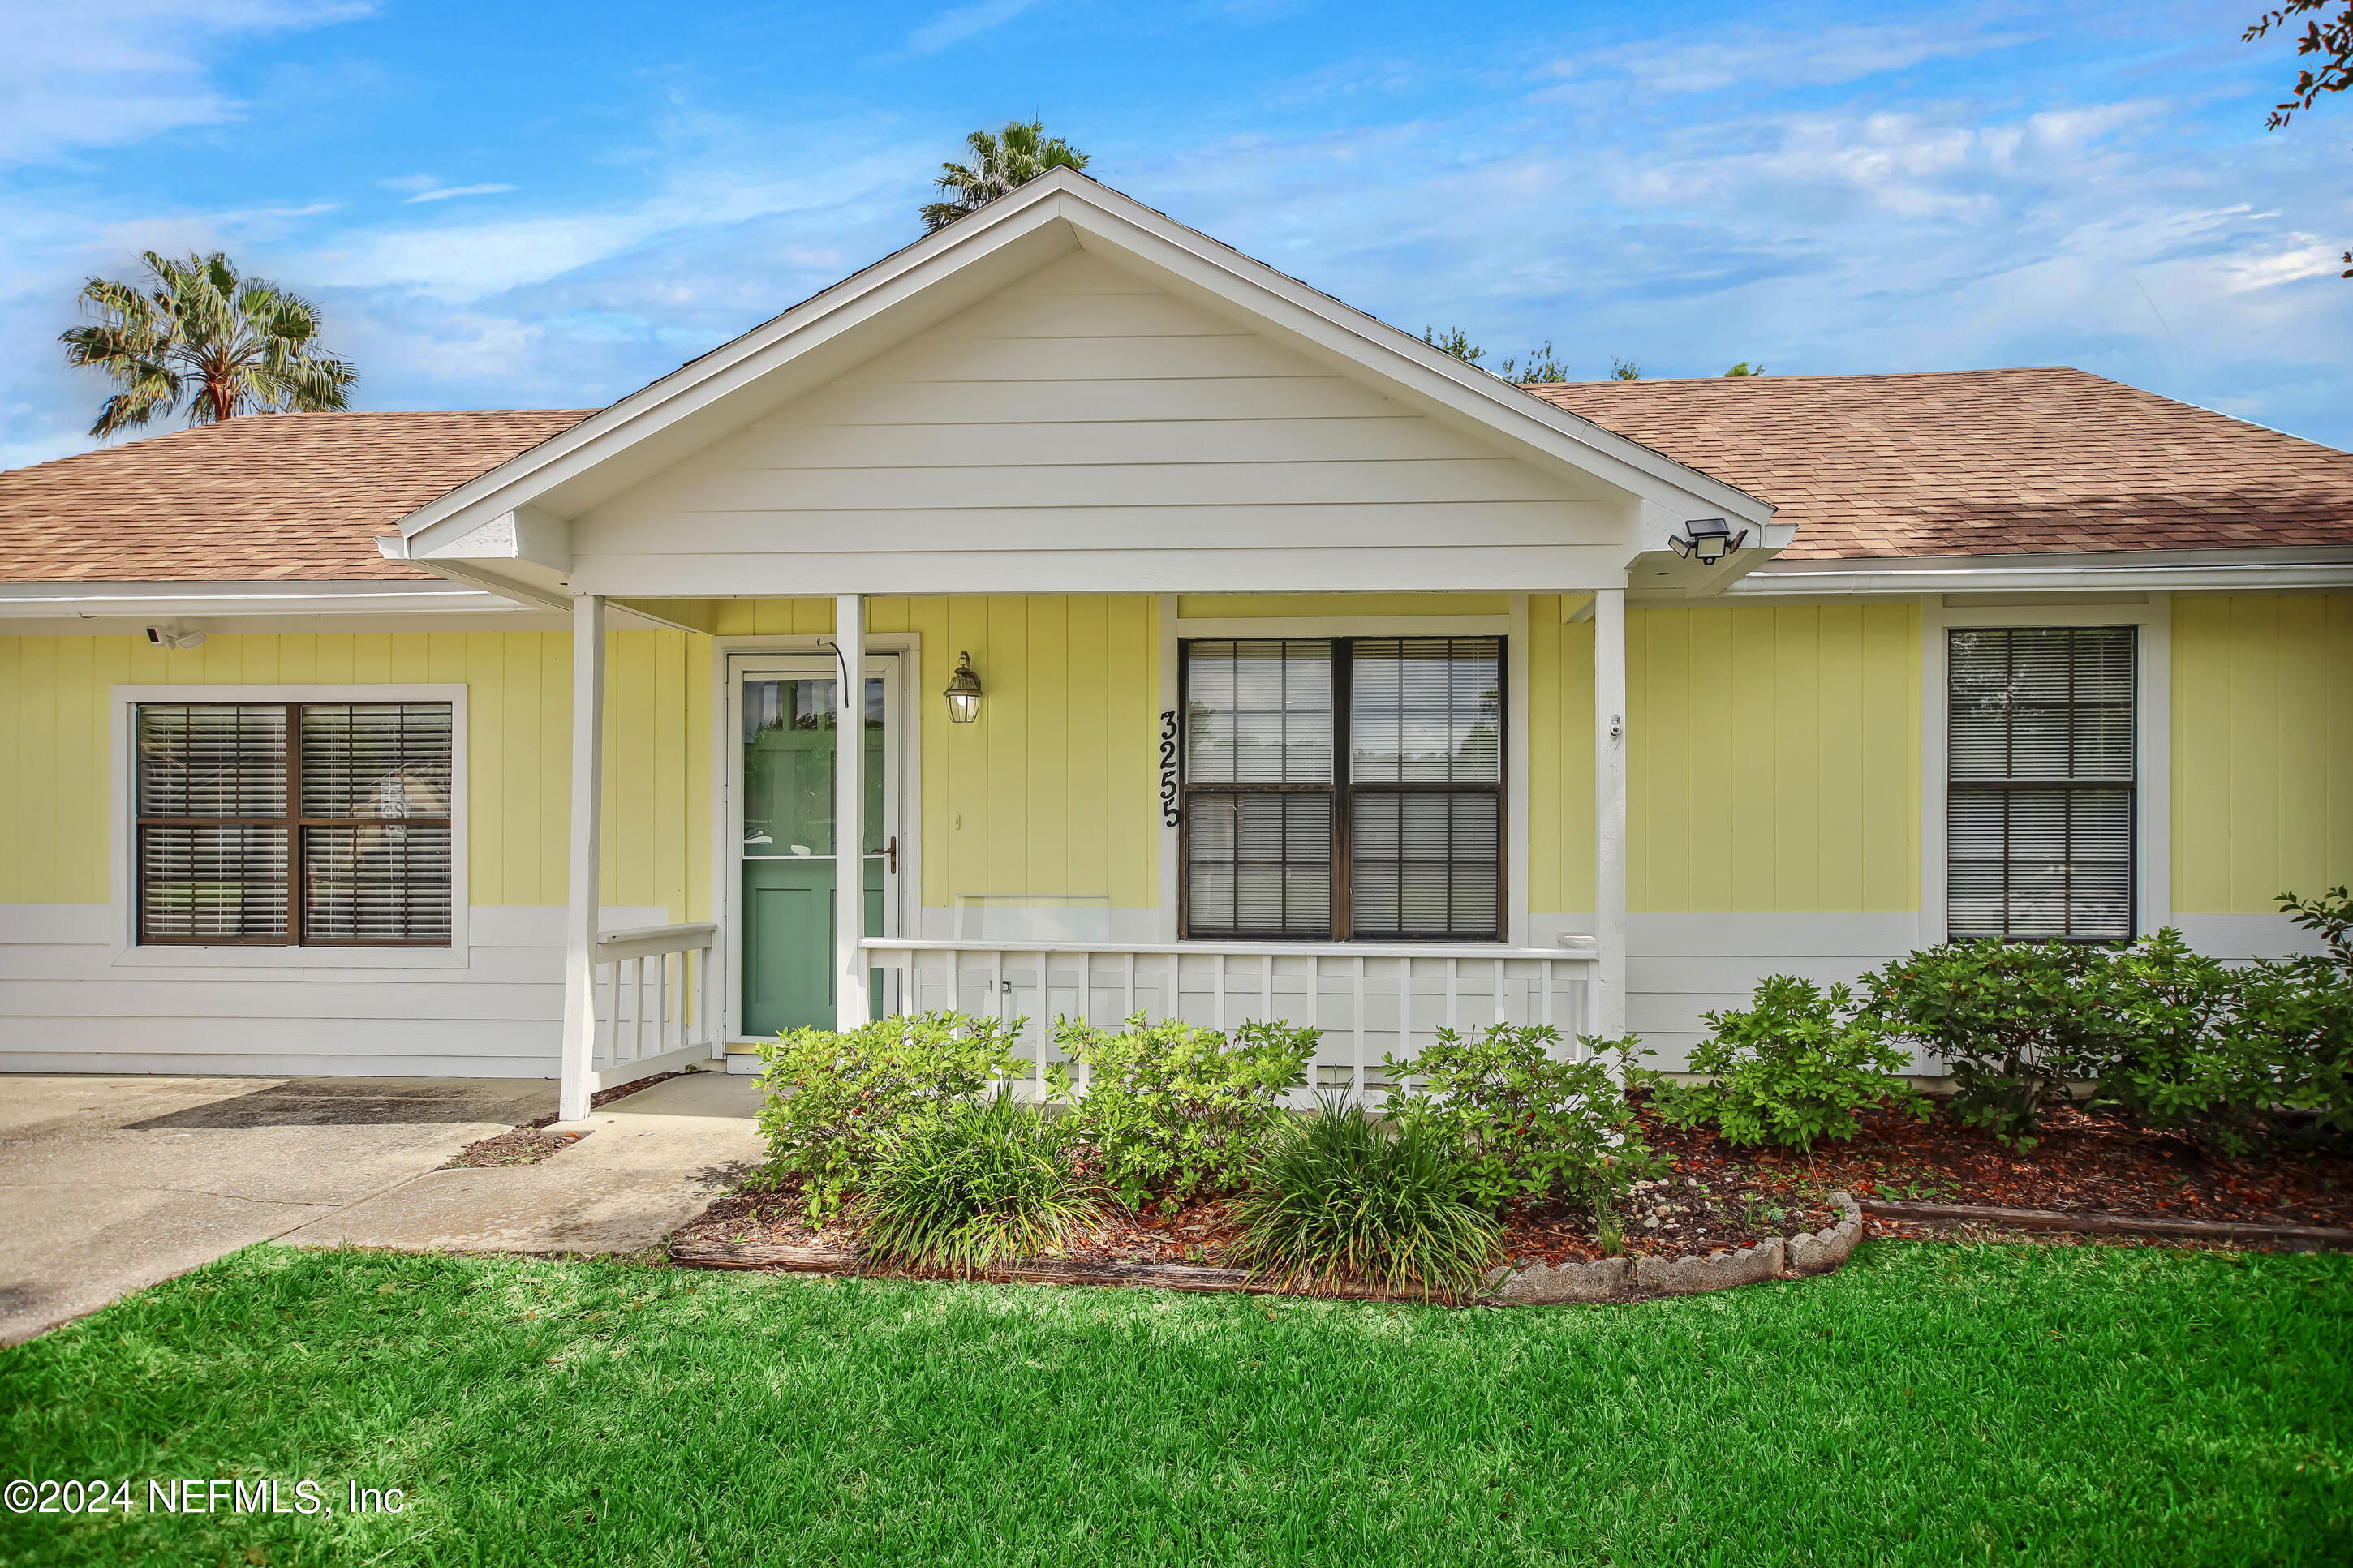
[(509, 205)]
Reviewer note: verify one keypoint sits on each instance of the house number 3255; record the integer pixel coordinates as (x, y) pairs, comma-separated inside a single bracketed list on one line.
[(1168, 768)]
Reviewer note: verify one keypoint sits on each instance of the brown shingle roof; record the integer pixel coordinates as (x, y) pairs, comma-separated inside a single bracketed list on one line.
[(1985, 462), (1967, 462), (295, 496)]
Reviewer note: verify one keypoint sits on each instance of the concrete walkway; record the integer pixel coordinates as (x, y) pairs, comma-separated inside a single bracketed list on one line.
[(650, 1162), (109, 1184)]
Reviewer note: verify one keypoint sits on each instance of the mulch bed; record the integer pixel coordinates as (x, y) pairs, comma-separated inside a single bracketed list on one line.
[(1676, 1217), (2085, 1163), (1716, 1194), (530, 1143)]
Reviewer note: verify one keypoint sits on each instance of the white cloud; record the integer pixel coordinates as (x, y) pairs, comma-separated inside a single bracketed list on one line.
[(1756, 59), (954, 27), (444, 194), (110, 73)]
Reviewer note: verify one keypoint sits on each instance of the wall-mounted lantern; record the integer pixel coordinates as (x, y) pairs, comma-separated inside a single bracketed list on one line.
[(1707, 539), (962, 693)]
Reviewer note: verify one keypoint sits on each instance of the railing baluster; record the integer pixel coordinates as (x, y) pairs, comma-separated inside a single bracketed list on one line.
[(1357, 1018)]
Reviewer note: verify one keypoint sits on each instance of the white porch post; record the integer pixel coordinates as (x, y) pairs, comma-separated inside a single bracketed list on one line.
[(587, 812), (1609, 809), (850, 1006)]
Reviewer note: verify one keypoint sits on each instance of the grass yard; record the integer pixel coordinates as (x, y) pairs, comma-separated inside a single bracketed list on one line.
[(1932, 1404)]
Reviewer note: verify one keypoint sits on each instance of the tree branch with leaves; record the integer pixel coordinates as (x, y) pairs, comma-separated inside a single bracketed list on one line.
[(2331, 38)]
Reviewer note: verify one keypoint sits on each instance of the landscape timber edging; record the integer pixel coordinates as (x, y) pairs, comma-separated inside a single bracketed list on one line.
[(2300, 1236), (1601, 1279)]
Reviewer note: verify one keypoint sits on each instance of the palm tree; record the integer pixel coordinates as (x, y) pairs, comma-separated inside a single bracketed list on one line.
[(198, 330), (1015, 156)]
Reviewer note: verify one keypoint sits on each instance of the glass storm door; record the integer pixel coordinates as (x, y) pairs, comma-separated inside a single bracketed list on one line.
[(792, 849)]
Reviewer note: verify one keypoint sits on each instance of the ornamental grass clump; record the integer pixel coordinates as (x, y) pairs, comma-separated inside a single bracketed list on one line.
[(986, 1182), (829, 1099), (1337, 1199)]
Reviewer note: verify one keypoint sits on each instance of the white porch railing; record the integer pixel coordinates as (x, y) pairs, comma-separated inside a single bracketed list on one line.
[(1367, 1000), (655, 1008)]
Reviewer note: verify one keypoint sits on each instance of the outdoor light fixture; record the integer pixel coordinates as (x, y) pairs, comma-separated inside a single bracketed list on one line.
[(962, 693), (1707, 539)]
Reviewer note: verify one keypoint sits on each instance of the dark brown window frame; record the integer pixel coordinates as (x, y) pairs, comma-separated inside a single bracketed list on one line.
[(292, 823), (1342, 791)]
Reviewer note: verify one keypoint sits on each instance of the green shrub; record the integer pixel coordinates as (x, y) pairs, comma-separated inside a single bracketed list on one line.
[(827, 1098), (2331, 915), (1793, 1069), (1336, 1199), (1514, 1122), (2012, 1021), (2221, 1054), (1178, 1110), (980, 1184)]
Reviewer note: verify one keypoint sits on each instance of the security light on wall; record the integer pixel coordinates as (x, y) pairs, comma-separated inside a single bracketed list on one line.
[(962, 693), (1707, 541)]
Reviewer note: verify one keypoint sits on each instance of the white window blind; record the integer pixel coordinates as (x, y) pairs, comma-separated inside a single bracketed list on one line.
[(322, 824), (2040, 783)]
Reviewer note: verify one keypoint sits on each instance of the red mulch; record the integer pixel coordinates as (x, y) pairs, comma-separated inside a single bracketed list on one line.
[(2083, 1162), (1676, 1217), (1716, 1195)]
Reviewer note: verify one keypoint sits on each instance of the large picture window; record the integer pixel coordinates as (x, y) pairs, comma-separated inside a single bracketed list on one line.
[(1344, 787), (2041, 783), (293, 824)]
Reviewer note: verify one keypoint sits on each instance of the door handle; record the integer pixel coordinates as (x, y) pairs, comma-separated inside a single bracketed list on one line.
[(890, 853)]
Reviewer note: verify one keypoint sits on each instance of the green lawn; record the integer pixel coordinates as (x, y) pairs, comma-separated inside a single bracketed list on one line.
[(1931, 1404)]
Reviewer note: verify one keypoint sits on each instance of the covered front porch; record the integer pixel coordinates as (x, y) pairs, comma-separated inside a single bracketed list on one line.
[(1068, 398), (1076, 906)]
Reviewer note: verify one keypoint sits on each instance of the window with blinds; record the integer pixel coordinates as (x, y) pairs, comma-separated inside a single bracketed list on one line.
[(1396, 833), (307, 824), (2041, 783)]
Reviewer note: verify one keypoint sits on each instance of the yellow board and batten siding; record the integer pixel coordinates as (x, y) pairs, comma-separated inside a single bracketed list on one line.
[(57, 707), (2263, 748), (1773, 762)]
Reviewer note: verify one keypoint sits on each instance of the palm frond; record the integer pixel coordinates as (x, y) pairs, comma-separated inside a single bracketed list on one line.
[(197, 329), (996, 164)]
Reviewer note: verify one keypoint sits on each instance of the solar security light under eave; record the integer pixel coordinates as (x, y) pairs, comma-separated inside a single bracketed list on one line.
[(1707, 539)]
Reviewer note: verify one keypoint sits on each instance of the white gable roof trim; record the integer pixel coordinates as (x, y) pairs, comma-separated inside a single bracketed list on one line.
[(519, 511)]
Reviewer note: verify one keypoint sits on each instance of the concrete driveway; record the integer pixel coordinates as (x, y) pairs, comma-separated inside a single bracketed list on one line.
[(108, 1184)]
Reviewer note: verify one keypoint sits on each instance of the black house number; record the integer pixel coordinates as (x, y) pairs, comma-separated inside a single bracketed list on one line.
[(1168, 769)]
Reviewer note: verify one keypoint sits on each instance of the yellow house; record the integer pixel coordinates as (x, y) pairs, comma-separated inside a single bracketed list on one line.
[(1213, 649)]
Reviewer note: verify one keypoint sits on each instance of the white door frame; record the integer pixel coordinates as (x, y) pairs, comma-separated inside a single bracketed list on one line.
[(897, 659)]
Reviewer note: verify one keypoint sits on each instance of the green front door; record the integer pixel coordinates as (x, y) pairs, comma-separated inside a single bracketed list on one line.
[(790, 855)]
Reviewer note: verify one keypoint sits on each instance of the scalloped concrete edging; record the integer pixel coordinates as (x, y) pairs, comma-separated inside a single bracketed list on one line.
[(1623, 1279), (1822, 1251)]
